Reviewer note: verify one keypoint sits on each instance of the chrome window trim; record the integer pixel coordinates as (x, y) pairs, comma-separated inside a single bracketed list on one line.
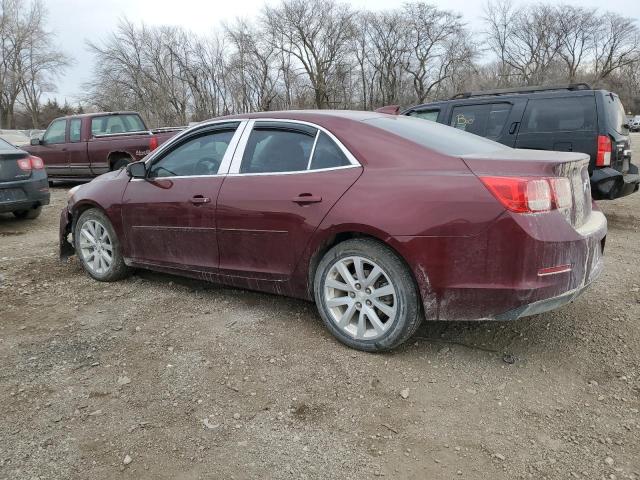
[(237, 159), (226, 159)]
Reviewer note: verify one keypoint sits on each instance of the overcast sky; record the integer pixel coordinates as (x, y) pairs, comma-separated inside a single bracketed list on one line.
[(74, 21)]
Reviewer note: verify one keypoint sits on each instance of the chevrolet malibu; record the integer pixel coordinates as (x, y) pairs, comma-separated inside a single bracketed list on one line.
[(382, 220)]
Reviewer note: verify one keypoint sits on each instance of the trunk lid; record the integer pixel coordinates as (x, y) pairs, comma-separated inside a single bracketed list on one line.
[(9, 156), (541, 163)]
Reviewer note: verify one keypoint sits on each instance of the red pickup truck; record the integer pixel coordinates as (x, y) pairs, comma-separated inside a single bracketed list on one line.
[(84, 146)]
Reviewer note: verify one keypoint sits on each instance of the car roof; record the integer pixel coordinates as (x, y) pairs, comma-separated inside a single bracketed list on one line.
[(98, 114)]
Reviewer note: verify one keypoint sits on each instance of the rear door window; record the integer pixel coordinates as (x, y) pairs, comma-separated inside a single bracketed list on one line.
[(431, 115), (486, 120), (272, 150), (614, 111), (74, 129), (326, 154), (570, 114), (121, 123)]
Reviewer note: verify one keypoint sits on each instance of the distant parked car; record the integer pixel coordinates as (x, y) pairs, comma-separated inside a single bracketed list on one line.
[(84, 146), (634, 124), (24, 188), (571, 118), (383, 220)]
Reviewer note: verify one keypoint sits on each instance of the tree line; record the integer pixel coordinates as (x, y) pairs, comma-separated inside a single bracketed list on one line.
[(326, 54), (29, 62)]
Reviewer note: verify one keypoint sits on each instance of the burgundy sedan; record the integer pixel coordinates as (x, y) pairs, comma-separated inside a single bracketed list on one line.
[(382, 220)]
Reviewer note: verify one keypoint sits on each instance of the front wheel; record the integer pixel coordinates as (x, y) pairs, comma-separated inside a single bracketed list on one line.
[(366, 295), (98, 248)]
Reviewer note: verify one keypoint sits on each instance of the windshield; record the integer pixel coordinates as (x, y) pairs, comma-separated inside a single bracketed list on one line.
[(614, 111), (443, 139)]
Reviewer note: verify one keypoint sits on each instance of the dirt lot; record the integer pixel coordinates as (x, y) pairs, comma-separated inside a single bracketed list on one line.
[(157, 377)]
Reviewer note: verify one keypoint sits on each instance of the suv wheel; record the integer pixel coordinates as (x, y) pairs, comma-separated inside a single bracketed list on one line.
[(98, 248), (366, 295)]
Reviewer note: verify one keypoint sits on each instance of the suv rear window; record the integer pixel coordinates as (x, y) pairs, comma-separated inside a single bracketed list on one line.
[(569, 114), (110, 124), (614, 112), (486, 120), (436, 136)]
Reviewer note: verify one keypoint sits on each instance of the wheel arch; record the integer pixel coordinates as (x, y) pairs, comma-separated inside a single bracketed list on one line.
[(116, 155), (348, 232)]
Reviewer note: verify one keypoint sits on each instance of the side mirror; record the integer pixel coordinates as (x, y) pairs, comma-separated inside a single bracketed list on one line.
[(137, 170), (36, 141)]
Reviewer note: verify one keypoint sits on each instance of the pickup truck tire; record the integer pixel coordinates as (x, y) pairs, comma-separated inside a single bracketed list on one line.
[(98, 247), (120, 162), (30, 214)]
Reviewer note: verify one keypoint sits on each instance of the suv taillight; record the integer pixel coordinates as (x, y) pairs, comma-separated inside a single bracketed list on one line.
[(603, 158), (153, 143), (530, 195)]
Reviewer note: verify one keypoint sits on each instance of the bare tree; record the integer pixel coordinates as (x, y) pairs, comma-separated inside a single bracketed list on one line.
[(29, 62), (618, 44), (577, 32), (316, 33)]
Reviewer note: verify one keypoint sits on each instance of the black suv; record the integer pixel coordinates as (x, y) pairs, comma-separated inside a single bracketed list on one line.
[(572, 118)]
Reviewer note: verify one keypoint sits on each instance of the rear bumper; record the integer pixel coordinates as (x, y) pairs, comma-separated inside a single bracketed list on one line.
[(24, 194), (608, 183), (501, 273)]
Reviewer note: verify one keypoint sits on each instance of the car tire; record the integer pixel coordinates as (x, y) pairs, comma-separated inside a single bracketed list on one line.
[(121, 163), (389, 320), (98, 247), (30, 214)]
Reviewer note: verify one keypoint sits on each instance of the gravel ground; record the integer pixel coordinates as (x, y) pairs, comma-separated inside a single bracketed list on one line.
[(159, 377)]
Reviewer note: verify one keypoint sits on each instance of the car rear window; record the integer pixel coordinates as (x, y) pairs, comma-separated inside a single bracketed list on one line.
[(569, 114), (443, 139), (6, 147), (614, 111)]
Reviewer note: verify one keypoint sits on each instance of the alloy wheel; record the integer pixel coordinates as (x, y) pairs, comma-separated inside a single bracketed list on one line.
[(96, 247), (360, 297)]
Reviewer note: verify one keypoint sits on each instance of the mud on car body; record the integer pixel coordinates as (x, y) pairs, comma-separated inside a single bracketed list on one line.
[(381, 220)]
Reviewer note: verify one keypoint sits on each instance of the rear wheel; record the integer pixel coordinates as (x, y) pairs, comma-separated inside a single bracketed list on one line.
[(120, 162), (366, 295), (98, 248), (30, 214)]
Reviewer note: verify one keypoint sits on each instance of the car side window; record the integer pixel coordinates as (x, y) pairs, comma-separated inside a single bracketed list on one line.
[(486, 120), (199, 155), (272, 150), (55, 132), (74, 129), (559, 114), (327, 154), (431, 115)]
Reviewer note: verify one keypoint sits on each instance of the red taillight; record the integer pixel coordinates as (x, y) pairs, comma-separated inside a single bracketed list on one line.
[(603, 158), (36, 163), (30, 163), (153, 143), (530, 195), (24, 164), (543, 272)]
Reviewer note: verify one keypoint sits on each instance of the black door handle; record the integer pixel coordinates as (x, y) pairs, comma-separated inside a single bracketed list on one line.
[(513, 128), (305, 198), (199, 200)]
